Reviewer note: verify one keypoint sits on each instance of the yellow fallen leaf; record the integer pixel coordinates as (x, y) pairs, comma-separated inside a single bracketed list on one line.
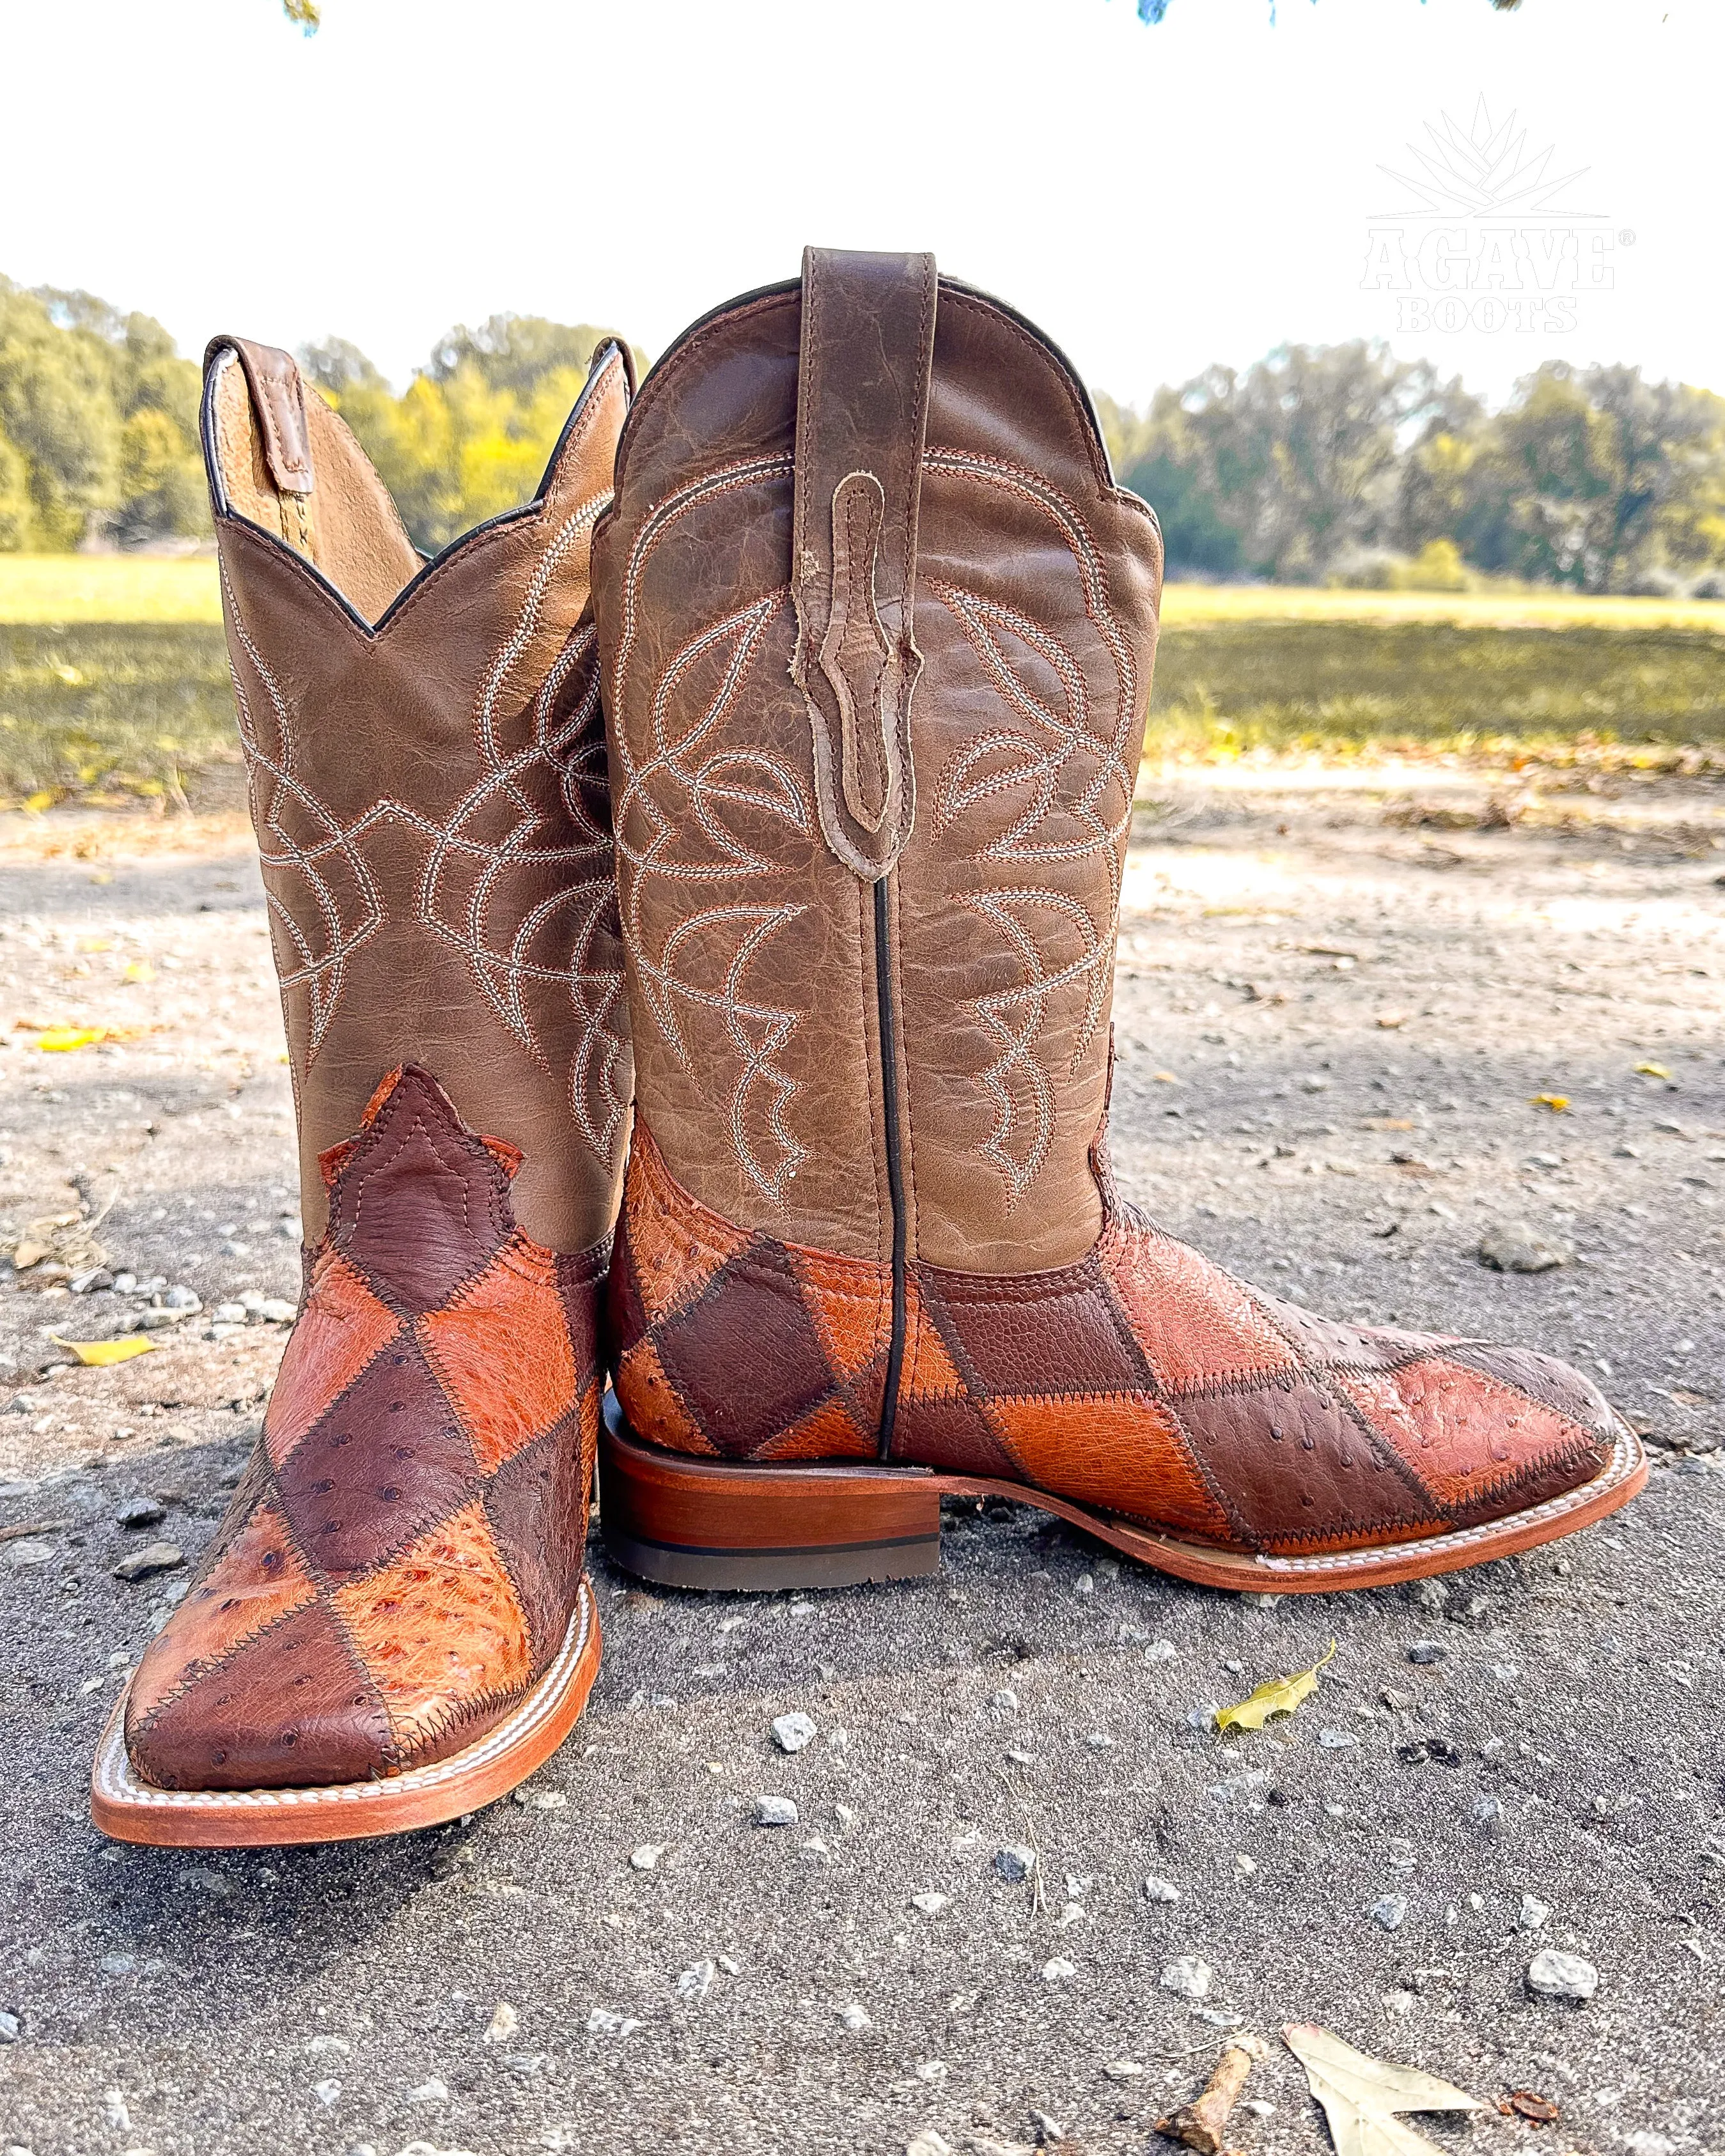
[(140, 970), (34, 804), (61, 1039), (1651, 1070), (1165, 1078), (1557, 1102), (1279, 1696), (93, 943), (99, 1354), (1361, 2095)]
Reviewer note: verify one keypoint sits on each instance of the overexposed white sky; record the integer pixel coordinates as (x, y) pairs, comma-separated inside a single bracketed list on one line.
[(1155, 199)]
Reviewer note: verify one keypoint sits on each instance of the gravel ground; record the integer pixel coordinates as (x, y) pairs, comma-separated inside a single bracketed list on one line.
[(1339, 996)]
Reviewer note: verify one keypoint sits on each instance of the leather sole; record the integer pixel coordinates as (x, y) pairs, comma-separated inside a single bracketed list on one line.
[(691, 1522), (129, 1810)]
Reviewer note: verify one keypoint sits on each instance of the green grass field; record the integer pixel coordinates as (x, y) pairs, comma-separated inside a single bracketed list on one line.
[(114, 682)]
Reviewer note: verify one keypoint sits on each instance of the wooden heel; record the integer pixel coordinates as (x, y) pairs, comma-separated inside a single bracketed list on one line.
[(688, 1522)]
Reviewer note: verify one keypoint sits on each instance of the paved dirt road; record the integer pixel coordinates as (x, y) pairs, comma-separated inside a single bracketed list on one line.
[(1336, 1003)]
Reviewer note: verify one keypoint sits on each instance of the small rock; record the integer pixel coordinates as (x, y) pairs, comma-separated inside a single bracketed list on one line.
[(928, 2143), (326, 2093), (143, 1564), (1160, 1889), (647, 1857), (1059, 1971), (29, 1550), (181, 1299), (1160, 1650), (775, 1811), (696, 1981), (1486, 1814), (1189, 1977), (228, 1313), (603, 2022), (502, 2025), (274, 1310), (1005, 1700), (1532, 1913), (1015, 1863), (1389, 1911), (931, 1905), (1561, 1976), (140, 1512), (1517, 1248), (1049, 2132), (1427, 1651), (1337, 1740), (856, 2016), (11, 2028), (1099, 1740), (431, 2092), (1123, 2069), (792, 1732)]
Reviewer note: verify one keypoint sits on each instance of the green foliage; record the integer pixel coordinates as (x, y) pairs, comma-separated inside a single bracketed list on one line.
[(98, 425), (471, 434), (1334, 463)]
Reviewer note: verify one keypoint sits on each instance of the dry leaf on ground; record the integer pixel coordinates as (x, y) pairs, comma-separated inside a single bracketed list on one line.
[(1523, 2103), (1278, 1696), (1557, 1102), (102, 1354), (1361, 2095), (1651, 1070)]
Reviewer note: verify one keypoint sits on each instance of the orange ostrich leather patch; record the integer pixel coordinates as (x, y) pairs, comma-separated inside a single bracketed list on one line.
[(1142, 1380), (400, 1562)]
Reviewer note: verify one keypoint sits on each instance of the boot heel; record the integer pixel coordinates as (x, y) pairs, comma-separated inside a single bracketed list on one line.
[(714, 1523)]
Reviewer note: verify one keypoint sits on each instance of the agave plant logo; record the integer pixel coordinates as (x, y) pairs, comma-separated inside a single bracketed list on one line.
[(1489, 235), (1484, 170)]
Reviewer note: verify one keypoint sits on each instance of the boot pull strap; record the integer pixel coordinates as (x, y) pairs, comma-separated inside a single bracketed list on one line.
[(278, 396), (867, 351)]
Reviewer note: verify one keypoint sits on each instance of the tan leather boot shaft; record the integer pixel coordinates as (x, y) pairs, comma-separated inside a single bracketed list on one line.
[(878, 630), (427, 769)]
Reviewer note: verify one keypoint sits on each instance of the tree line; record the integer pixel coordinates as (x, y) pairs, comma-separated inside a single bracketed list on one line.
[(1336, 462)]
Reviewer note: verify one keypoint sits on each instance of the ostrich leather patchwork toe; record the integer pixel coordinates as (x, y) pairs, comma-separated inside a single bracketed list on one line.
[(401, 1560), (1142, 1381)]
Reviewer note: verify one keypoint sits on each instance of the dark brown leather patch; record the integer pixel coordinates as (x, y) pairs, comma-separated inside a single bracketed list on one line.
[(1292, 1466), (388, 1460), (745, 1355), (294, 1706), (420, 1204), (1040, 1333), (535, 1502), (953, 1433)]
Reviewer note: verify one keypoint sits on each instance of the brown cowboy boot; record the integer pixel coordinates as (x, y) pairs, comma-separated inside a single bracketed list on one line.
[(394, 1624), (877, 629)]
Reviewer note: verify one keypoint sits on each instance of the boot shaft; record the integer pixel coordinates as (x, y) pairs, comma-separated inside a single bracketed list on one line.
[(878, 630), (427, 774)]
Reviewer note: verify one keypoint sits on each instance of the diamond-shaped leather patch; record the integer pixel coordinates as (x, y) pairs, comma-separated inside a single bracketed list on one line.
[(294, 1707), (387, 1461), (1195, 1325), (952, 1433), (831, 1432), (535, 1502), (420, 1204), (502, 1349), (1467, 1438), (1296, 1466), (651, 1402), (745, 1355), (1039, 1334), (439, 1630), (851, 1304), (1125, 1454), (257, 1580), (341, 1327), (675, 1252)]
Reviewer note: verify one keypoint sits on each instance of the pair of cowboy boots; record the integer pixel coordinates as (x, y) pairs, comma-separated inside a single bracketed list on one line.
[(826, 895)]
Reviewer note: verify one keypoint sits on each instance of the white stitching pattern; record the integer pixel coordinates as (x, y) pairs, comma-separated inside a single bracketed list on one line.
[(669, 814), (1001, 761), (499, 953)]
